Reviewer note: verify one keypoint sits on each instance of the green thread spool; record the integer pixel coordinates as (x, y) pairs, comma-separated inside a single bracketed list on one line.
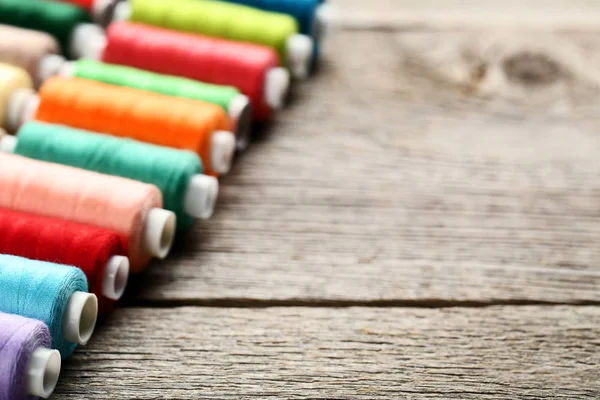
[(172, 171), (53, 17), (228, 21), (229, 98)]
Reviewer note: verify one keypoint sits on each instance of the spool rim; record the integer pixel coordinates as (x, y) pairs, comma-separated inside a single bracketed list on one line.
[(240, 112), (79, 319), (159, 232), (116, 276), (43, 372)]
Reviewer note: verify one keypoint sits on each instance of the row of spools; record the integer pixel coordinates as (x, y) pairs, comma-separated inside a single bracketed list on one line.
[(117, 119)]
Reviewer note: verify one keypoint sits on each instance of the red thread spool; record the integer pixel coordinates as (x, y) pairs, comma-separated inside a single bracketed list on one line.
[(210, 60), (55, 240), (87, 4)]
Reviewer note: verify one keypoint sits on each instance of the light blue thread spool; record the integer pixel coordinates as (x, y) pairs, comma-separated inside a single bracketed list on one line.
[(52, 293)]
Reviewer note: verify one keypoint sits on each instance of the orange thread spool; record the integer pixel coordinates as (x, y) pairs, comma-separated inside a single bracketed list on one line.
[(125, 112)]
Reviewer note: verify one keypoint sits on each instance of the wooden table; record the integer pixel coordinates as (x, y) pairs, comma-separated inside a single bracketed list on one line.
[(423, 221)]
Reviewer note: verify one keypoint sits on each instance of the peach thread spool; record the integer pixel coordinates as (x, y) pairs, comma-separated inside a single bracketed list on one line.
[(36, 52), (120, 111), (130, 208)]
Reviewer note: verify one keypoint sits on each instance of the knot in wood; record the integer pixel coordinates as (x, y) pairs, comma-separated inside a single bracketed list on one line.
[(532, 69)]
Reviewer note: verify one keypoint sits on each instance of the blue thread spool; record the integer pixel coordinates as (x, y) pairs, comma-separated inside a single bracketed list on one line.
[(52, 293)]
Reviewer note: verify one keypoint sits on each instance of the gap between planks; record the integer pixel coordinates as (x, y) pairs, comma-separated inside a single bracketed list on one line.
[(324, 303)]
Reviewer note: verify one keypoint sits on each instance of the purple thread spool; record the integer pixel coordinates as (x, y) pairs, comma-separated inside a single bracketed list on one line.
[(28, 369)]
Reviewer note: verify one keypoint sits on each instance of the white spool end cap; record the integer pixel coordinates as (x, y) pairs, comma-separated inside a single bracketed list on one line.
[(8, 143), (122, 12), (323, 21), (67, 70), (49, 66), (201, 196), (299, 55), (21, 108), (222, 149), (79, 319), (277, 85), (87, 41), (159, 232), (99, 9), (43, 371), (116, 275), (240, 112)]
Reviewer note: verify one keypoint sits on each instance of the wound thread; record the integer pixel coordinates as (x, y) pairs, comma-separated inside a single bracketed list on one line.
[(153, 82), (303, 11), (196, 57), (24, 48), (55, 240), (169, 169), (11, 79), (87, 4), (55, 18), (19, 338), (85, 197), (168, 85), (40, 290), (125, 112), (218, 19)]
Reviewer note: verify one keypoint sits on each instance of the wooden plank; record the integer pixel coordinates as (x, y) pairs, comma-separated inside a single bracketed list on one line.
[(445, 15), (388, 181), (356, 353)]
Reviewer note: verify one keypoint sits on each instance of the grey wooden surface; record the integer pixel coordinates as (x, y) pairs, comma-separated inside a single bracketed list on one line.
[(325, 353), (423, 221)]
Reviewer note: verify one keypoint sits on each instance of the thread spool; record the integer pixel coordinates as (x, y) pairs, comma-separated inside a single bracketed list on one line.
[(52, 293), (11, 80), (130, 208), (254, 70), (60, 20), (86, 4), (227, 21), (97, 252), (313, 16), (178, 174), (28, 367), (125, 112), (31, 50), (236, 105)]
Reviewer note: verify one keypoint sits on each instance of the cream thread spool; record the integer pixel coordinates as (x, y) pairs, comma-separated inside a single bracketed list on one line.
[(12, 79)]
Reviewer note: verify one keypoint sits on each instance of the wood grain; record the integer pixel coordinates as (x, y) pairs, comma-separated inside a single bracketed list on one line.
[(442, 15), (382, 183), (356, 353)]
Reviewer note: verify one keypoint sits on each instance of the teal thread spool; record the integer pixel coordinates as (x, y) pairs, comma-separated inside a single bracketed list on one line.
[(229, 98), (177, 173), (52, 293), (58, 19)]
